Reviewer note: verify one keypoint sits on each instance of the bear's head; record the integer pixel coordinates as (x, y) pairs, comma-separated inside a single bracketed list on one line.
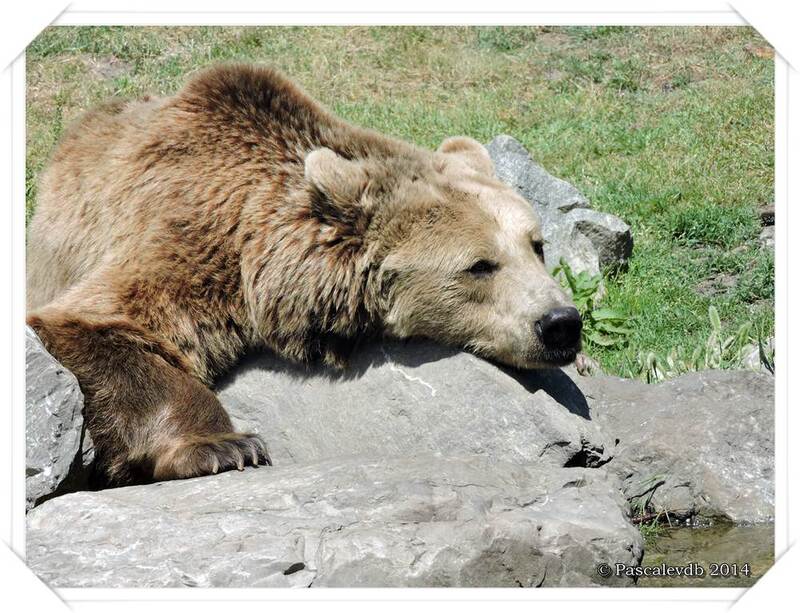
[(449, 252)]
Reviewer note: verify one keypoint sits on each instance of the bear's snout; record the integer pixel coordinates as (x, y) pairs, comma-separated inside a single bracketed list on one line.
[(560, 328)]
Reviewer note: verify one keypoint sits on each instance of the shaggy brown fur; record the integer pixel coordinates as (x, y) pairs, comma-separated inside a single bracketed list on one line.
[(173, 235)]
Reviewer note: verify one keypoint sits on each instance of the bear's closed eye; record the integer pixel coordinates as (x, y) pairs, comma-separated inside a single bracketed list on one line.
[(483, 268)]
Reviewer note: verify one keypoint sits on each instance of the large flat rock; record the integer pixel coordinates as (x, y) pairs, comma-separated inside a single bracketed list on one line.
[(403, 521), (702, 442), (410, 398)]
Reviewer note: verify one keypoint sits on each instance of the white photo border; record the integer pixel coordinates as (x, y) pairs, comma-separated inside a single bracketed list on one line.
[(166, 13)]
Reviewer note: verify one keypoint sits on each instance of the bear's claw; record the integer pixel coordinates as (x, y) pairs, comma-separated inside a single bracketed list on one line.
[(211, 454)]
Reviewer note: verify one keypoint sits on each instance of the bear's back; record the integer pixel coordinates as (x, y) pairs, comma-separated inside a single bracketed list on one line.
[(73, 225), (133, 179)]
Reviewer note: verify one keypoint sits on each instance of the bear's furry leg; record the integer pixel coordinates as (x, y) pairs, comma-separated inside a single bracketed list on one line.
[(149, 419)]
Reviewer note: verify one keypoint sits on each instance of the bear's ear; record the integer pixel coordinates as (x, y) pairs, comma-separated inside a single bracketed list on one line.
[(470, 152), (340, 180)]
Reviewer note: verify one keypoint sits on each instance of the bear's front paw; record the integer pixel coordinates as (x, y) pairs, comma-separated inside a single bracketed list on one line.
[(209, 454)]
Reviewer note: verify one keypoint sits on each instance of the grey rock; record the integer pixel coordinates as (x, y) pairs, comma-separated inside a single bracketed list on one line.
[(59, 450), (609, 235), (709, 436), (587, 240), (564, 241), (411, 398), (405, 521), (421, 466), (709, 433), (513, 165)]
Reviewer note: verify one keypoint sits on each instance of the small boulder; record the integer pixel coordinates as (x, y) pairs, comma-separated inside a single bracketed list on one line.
[(610, 236), (565, 242), (585, 239), (751, 356), (514, 166)]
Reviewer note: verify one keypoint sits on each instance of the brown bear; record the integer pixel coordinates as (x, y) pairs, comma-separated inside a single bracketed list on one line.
[(173, 235)]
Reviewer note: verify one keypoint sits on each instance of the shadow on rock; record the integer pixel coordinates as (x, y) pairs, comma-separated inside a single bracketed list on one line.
[(555, 383), (413, 354), (366, 356)]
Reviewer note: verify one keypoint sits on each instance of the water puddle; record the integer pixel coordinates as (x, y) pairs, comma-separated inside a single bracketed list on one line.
[(712, 548)]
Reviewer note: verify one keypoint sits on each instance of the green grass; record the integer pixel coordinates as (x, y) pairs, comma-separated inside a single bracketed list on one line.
[(670, 128)]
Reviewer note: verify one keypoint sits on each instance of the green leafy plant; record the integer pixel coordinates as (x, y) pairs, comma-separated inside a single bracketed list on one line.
[(653, 529), (717, 351), (766, 355), (602, 327)]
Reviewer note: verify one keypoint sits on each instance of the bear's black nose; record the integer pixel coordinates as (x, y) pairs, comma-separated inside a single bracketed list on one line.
[(560, 328)]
